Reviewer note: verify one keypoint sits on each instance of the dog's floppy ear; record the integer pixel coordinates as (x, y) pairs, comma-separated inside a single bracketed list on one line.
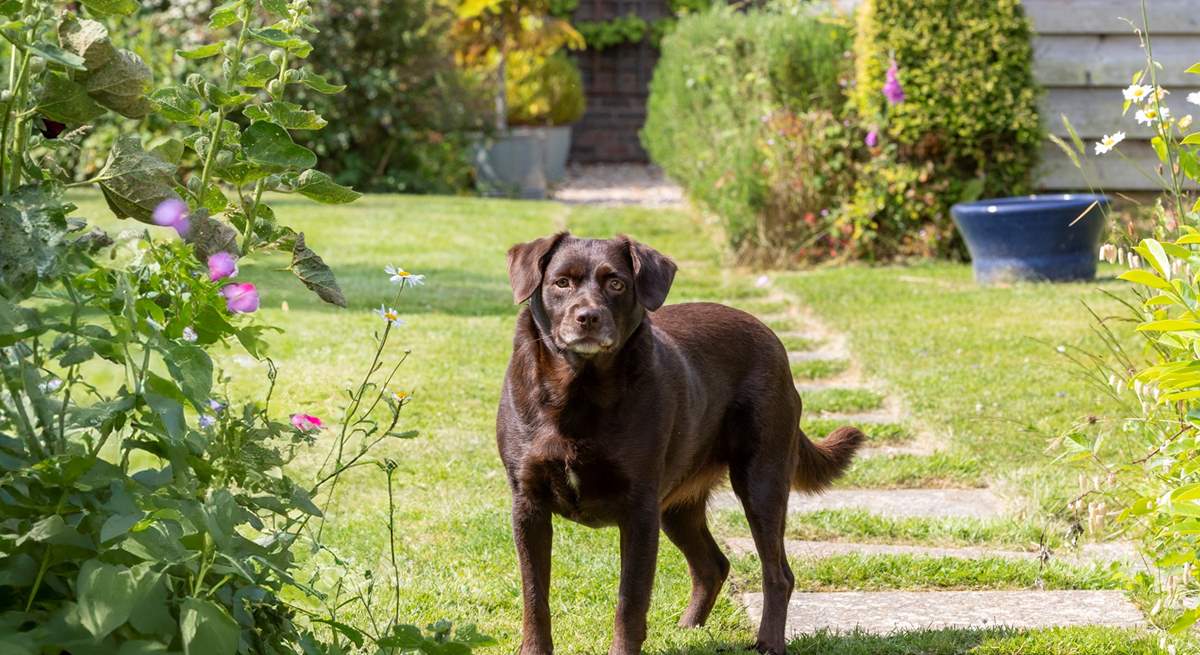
[(527, 262), (653, 273)]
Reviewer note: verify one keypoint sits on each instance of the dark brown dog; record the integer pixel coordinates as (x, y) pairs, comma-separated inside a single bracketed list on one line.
[(617, 412)]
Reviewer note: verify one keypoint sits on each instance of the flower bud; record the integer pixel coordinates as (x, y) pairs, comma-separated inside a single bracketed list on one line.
[(224, 158), (36, 65), (193, 185), (275, 87), (291, 76), (277, 57), (195, 80), (6, 96), (230, 50)]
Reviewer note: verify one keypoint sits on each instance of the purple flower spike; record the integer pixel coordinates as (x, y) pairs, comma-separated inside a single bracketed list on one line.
[(173, 213), (221, 265), (240, 298), (891, 88), (872, 139)]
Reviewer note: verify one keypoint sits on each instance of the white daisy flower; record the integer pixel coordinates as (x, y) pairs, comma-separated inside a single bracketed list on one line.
[(389, 315), (1150, 114), (401, 276), (1137, 92), (1109, 142), (1194, 97)]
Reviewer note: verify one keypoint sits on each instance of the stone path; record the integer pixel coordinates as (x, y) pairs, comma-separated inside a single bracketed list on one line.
[(918, 503), (885, 612), (618, 185)]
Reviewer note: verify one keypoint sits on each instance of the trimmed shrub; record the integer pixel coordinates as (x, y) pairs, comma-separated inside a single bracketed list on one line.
[(967, 128), (745, 112), (544, 90), (405, 120)]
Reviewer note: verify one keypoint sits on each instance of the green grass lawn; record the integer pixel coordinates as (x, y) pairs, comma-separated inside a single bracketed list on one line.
[(976, 367)]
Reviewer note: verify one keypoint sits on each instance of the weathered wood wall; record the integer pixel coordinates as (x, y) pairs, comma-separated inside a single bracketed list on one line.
[(1084, 55)]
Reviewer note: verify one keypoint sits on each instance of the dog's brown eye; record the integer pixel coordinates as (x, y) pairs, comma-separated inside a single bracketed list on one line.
[(562, 283), (616, 285)]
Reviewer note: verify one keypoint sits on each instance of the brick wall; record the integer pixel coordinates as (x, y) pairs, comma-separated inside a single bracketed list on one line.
[(617, 82)]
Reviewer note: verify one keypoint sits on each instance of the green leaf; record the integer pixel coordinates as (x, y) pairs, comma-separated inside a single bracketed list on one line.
[(1160, 148), (315, 274), (320, 84), (270, 146), (106, 597), (168, 149), (1169, 325), (67, 102), (121, 85), (206, 628), (166, 401), (135, 182), (33, 225), (315, 185), (201, 52), (88, 39), (118, 525), (192, 368), (210, 236), (287, 115), (279, 39), (257, 71), (224, 15), (1191, 139), (1194, 69), (1156, 256), (279, 8), (150, 610), (77, 355), (106, 7), (57, 55), (179, 103), (1145, 278)]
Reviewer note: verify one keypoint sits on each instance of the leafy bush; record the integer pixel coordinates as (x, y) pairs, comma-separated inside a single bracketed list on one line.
[(141, 508), (968, 122), (544, 90), (745, 112), (1147, 486), (405, 120)]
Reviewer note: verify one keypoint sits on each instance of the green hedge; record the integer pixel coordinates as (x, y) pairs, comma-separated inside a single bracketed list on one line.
[(969, 124), (763, 117), (727, 86)]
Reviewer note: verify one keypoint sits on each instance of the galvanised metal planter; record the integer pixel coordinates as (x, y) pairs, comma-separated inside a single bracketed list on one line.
[(1052, 237)]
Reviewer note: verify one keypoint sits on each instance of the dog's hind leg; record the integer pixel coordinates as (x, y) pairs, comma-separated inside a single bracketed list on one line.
[(762, 482), (686, 526)]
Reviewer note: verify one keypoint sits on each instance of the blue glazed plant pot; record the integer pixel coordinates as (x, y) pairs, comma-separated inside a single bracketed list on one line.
[(1041, 237)]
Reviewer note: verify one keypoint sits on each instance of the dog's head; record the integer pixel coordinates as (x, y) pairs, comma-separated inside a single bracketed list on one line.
[(594, 291)]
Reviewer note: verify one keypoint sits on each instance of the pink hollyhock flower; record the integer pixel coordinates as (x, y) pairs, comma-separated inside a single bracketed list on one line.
[(872, 139), (221, 265), (173, 213), (891, 88), (306, 422), (240, 298)]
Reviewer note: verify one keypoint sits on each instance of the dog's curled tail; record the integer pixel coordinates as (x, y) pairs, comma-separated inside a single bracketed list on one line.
[(821, 462)]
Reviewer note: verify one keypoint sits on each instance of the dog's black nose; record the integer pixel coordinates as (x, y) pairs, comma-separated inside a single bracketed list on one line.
[(588, 317)]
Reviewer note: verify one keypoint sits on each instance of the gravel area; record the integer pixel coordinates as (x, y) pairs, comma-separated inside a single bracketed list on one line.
[(618, 185), (885, 612)]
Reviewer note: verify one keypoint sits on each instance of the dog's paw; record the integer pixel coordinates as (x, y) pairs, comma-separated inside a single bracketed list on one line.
[(767, 649)]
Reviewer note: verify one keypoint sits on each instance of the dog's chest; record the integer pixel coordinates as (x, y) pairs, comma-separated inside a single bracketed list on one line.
[(578, 485)]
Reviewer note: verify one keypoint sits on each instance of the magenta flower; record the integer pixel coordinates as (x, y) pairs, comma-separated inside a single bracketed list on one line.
[(173, 213), (306, 422), (891, 88), (221, 265), (240, 298), (872, 139)]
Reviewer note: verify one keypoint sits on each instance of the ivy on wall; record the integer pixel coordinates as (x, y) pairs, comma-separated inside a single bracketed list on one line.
[(630, 28)]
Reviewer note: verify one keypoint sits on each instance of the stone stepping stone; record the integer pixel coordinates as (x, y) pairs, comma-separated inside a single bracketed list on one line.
[(886, 612), (913, 503), (1088, 553), (826, 354)]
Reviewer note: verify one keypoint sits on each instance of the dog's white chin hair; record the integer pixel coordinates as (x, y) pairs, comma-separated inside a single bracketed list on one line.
[(585, 347)]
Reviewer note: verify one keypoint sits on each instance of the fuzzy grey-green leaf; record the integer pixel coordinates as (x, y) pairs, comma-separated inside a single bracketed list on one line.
[(88, 39), (270, 146), (65, 101), (315, 274), (121, 85), (134, 181), (315, 185), (288, 115)]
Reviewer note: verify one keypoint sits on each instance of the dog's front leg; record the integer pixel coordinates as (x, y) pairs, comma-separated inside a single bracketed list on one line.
[(639, 557), (533, 532)]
